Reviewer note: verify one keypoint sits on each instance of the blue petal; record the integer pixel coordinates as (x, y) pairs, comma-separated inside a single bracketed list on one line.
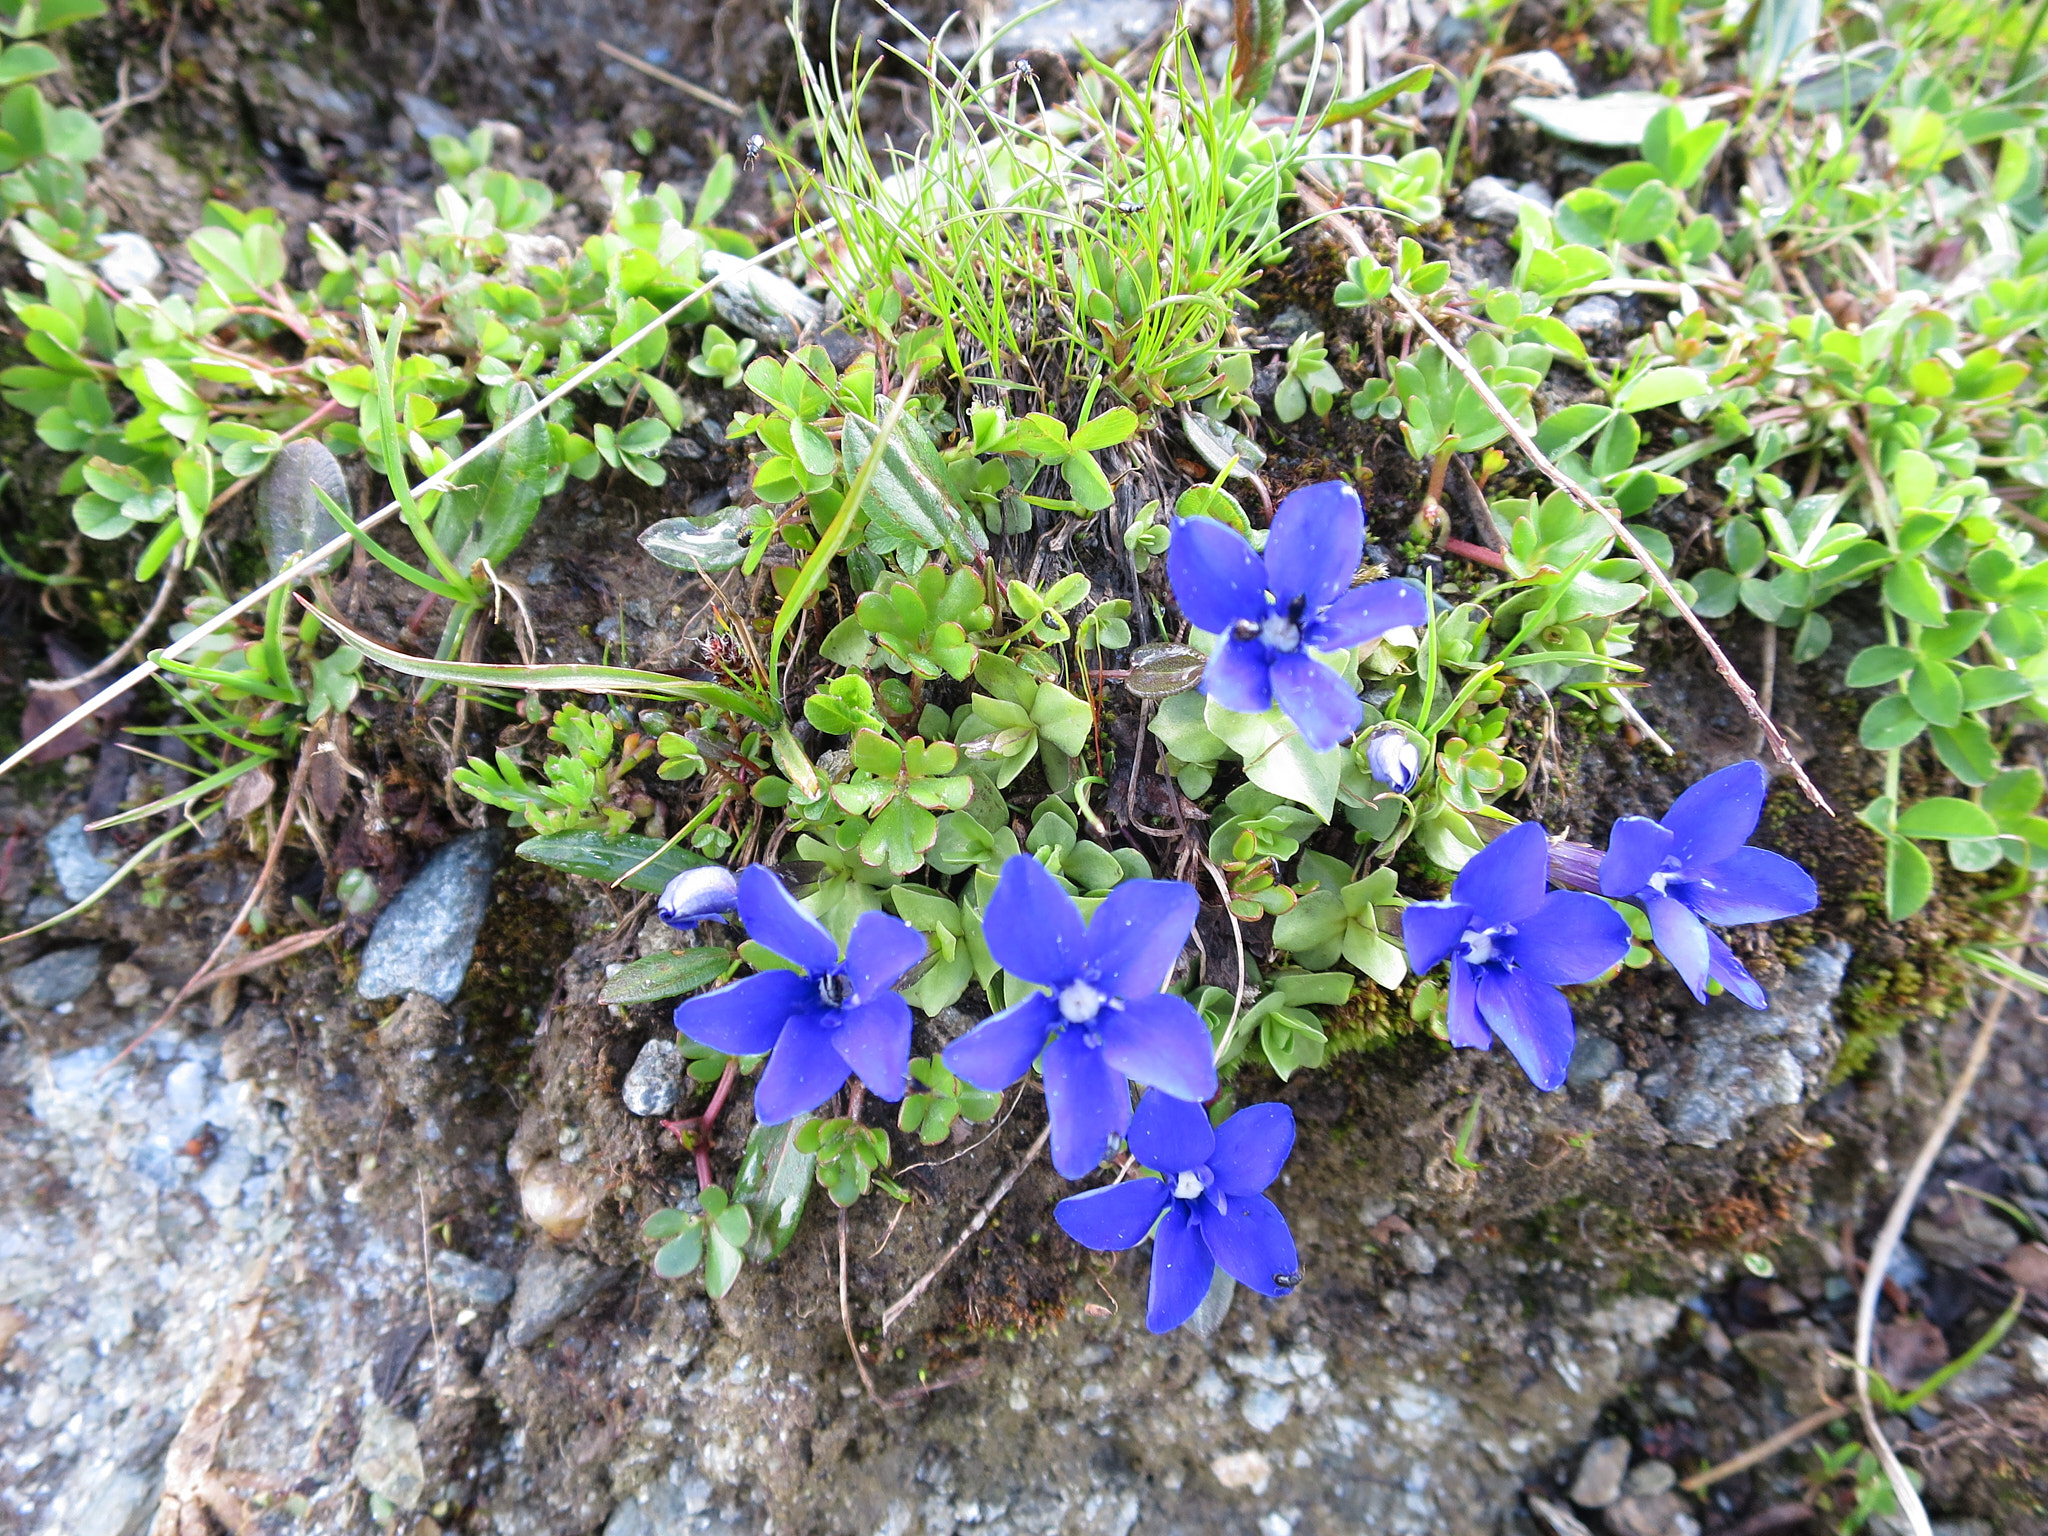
[(1181, 1271), (1032, 927), (1751, 885), (696, 894), (999, 1050), (1681, 939), (1367, 612), (874, 1040), (880, 949), (1432, 929), (746, 1018), (1088, 1102), (1571, 937), (1733, 974), (1252, 1243), (1138, 932), (1313, 546), (1316, 699), (1533, 1019), (1715, 817), (1636, 850), (1217, 577), (1170, 1135), (1466, 1027), (804, 1071), (1251, 1146), (1113, 1219), (1162, 1042), (776, 922), (1505, 880), (1237, 677)]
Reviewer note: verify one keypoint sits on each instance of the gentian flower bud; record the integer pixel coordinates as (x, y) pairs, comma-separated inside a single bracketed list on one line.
[(1393, 758), (697, 895)]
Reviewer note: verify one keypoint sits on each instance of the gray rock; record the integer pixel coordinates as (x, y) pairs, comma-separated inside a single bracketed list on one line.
[(1541, 73), (660, 1508), (1663, 1514), (120, 1506), (1985, 1382), (1594, 1060), (1065, 28), (652, 1086), (1597, 320), (289, 515), (424, 940), (61, 976), (1414, 1252), (1491, 199), (1647, 1479), (185, 1089), (429, 118), (131, 262), (463, 1278), (1266, 1409), (1961, 1528), (1906, 1267), (1744, 1062), (1973, 1236), (79, 870), (765, 306), (554, 1284), (387, 1457), (1600, 1472)]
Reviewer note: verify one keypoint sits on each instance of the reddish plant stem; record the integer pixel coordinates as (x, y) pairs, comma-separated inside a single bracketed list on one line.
[(1477, 554), (708, 1122)]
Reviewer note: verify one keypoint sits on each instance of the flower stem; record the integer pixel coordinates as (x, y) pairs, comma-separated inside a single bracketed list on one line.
[(709, 1121)]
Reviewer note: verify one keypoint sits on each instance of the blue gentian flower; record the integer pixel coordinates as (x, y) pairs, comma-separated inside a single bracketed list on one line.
[(820, 1023), (1511, 945), (1393, 758), (1269, 614), (1103, 1019), (697, 895), (1210, 1207), (1693, 868)]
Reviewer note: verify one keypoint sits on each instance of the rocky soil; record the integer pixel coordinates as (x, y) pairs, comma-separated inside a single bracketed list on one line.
[(354, 1239)]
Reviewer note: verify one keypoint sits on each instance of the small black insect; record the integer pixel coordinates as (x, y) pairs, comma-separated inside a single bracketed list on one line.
[(1288, 1282), (755, 144), (1130, 206), (1023, 71)]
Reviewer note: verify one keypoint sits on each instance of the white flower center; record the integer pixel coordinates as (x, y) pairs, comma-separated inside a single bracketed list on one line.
[(1480, 943), (1281, 632), (1188, 1186), (1662, 878), (1079, 1002)]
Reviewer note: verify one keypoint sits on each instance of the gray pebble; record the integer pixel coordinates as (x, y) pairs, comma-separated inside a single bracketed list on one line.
[(1647, 1479), (765, 306), (1663, 1514), (1598, 317), (1600, 1471), (57, 978), (424, 940), (554, 1284), (79, 870), (1594, 1060), (131, 262), (656, 1079), (185, 1089), (463, 1278), (1491, 199)]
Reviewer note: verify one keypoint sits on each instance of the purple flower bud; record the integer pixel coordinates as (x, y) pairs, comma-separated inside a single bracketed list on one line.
[(1394, 758), (698, 894)]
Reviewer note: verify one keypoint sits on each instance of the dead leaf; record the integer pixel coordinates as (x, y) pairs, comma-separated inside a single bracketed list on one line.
[(249, 794), (1909, 1351), (2027, 1267)]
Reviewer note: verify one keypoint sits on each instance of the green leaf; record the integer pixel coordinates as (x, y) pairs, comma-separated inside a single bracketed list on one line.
[(1945, 816), (1876, 665), (723, 1262), (1988, 687), (1911, 593), (664, 1224), (1890, 722), (680, 1255), (1564, 430), (897, 838), (911, 496), (597, 857), (1650, 212), (1966, 751), (487, 516), (1661, 386), (1908, 879), (653, 977), (1935, 694)]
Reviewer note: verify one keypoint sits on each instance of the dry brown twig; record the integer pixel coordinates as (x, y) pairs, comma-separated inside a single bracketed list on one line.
[(1320, 207)]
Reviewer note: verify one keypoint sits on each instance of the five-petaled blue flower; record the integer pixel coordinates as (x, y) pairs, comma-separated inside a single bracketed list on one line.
[(1693, 868), (1103, 1019), (1511, 945), (1210, 1206), (1269, 614), (832, 1017), (698, 894)]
